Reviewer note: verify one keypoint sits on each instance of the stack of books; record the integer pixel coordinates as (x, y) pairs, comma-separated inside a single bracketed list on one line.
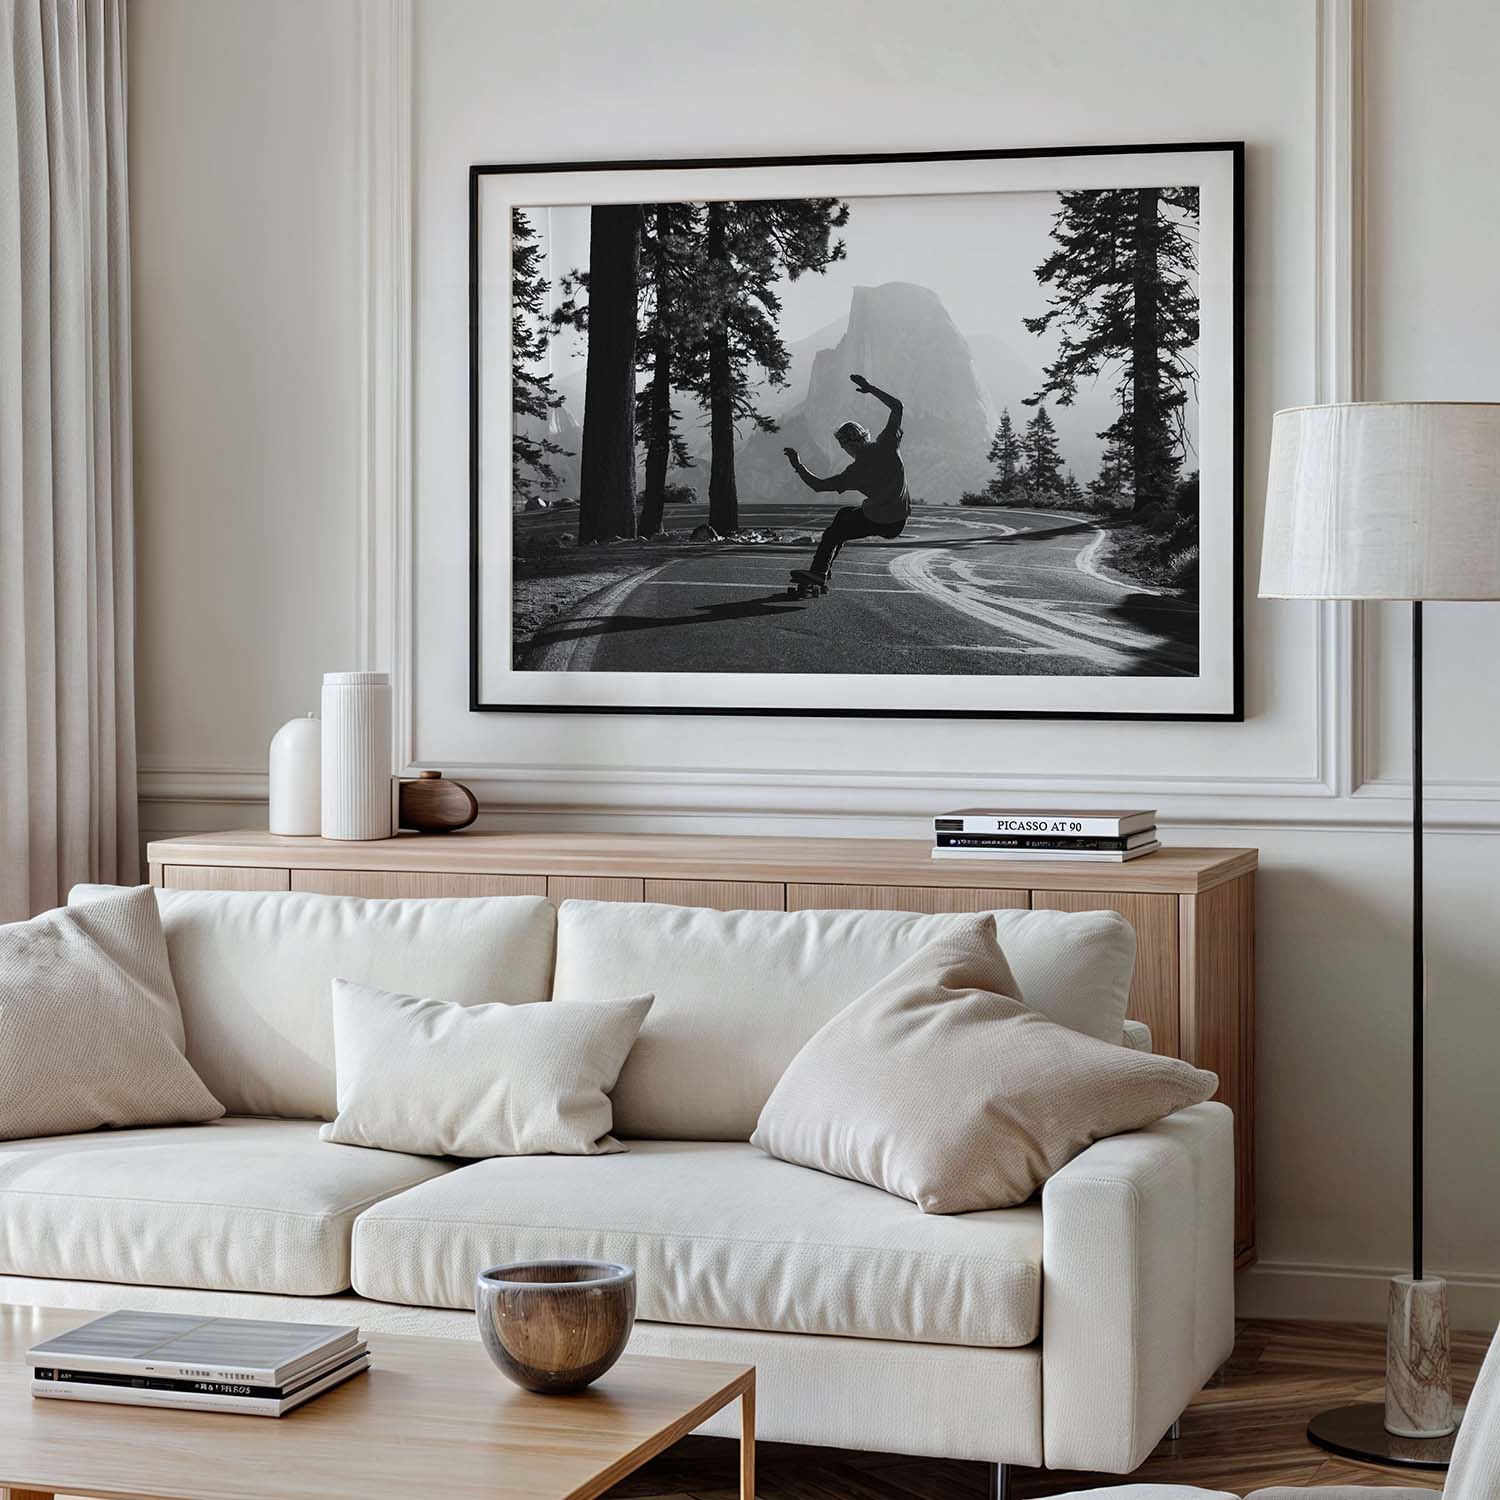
[(199, 1364), (998, 833)]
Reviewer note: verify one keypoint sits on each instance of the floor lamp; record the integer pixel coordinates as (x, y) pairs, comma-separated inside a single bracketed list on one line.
[(1391, 500)]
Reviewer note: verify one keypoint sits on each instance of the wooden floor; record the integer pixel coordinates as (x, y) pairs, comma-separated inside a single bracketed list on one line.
[(1245, 1431)]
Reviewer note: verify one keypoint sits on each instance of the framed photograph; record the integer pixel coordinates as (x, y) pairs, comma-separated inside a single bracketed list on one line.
[(927, 434)]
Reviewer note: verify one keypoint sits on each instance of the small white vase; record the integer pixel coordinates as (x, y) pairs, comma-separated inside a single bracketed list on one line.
[(297, 777), (356, 755)]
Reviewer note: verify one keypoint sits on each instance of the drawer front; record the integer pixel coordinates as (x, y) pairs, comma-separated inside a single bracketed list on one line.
[(596, 888), (720, 895), (920, 898), (224, 878), (1155, 990), (394, 883)]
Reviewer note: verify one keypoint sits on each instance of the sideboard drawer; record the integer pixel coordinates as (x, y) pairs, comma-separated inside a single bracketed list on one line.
[(720, 895), (389, 883), (595, 888), (225, 878), (923, 898)]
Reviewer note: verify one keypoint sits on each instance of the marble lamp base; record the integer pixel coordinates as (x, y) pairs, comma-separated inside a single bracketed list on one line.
[(1416, 1426), (1418, 1380)]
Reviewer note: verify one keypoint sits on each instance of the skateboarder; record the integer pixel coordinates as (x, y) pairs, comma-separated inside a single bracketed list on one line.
[(876, 472)]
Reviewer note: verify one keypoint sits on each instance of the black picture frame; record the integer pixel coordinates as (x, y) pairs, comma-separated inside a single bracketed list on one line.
[(1236, 149)]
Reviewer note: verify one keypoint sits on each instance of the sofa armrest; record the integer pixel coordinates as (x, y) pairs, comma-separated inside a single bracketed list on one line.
[(1137, 1287)]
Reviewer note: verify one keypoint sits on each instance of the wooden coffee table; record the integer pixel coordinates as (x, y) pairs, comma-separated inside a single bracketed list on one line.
[(432, 1417)]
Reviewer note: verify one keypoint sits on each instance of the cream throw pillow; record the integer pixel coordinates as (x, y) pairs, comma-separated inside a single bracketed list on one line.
[(435, 1078), (90, 1029), (938, 1085)]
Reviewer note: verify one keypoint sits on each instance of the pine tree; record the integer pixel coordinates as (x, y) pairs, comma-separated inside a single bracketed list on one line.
[(670, 262), (748, 248), (1072, 490), (1041, 469), (532, 395), (606, 484), (1123, 274), (1114, 477), (1005, 454)]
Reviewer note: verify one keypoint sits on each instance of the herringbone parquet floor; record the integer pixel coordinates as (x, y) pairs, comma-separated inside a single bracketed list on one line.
[(1246, 1430)]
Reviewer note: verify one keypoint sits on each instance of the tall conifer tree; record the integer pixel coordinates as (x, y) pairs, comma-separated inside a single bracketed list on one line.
[(1041, 468), (671, 260), (1005, 454), (748, 248), (533, 398), (1124, 294)]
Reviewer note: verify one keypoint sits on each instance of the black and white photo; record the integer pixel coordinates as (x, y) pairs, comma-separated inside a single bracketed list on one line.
[(913, 435)]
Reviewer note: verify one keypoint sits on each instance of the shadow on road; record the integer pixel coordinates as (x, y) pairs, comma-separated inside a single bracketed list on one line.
[(1009, 539), (1176, 619), (766, 607)]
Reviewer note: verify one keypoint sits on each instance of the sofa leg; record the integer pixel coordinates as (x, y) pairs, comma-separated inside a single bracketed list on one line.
[(1000, 1481), (1174, 1431)]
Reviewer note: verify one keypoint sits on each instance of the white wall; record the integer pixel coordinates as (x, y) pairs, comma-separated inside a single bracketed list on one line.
[(250, 215), (245, 241)]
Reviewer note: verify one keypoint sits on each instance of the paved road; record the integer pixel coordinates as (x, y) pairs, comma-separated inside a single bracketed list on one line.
[(991, 592)]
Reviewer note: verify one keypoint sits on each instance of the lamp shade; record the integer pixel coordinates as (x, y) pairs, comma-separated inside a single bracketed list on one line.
[(1383, 500)]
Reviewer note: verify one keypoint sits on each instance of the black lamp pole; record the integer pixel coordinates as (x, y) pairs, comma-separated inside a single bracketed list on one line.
[(1418, 975), (1359, 1431)]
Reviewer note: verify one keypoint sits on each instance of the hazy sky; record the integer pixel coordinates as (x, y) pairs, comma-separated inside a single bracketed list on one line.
[(978, 251)]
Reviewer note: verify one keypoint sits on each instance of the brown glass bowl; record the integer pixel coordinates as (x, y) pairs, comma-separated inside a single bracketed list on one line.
[(555, 1325)]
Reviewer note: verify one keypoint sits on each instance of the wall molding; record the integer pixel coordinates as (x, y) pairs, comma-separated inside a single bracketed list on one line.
[(811, 801), (1303, 1291), (390, 590), (1338, 349), (383, 581)]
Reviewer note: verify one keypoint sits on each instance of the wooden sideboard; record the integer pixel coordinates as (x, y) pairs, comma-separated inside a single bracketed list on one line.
[(1193, 909)]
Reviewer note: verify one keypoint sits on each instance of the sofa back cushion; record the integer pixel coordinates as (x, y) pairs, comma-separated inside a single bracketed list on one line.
[(738, 993), (254, 972)]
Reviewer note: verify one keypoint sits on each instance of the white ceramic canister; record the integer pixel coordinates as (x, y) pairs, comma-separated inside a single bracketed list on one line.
[(297, 777), (356, 755)]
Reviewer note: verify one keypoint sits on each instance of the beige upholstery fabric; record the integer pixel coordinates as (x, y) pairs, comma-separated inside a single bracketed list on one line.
[(937, 1399), (1137, 1036), (439, 1079), (1138, 1285), (939, 1086), (1147, 1492), (253, 1205), (254, 972), (744, 990), (1346, 1492), (719, 1234), (90, 1030), (1474, 1473)]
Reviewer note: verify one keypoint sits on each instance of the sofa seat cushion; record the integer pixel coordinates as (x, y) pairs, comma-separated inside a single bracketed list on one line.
[(719, 1235), (237, 1205)]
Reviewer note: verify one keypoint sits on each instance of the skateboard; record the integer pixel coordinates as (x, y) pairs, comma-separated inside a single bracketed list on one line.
[(805, 585)]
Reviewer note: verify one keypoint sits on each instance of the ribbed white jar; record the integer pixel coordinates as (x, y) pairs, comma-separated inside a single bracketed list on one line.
[(356, 755)]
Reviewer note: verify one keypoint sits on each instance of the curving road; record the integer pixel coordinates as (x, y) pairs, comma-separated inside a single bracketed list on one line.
[(983, 592)]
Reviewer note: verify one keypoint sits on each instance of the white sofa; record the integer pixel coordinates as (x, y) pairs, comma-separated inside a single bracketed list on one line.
[(1069, 1332)]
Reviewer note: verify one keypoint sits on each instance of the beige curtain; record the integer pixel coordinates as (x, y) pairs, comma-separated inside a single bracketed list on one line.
[(67, 693)]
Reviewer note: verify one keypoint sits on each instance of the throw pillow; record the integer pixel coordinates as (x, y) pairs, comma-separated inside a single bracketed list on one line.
[(435, 1078), (938, 1085), (90, 1029)]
